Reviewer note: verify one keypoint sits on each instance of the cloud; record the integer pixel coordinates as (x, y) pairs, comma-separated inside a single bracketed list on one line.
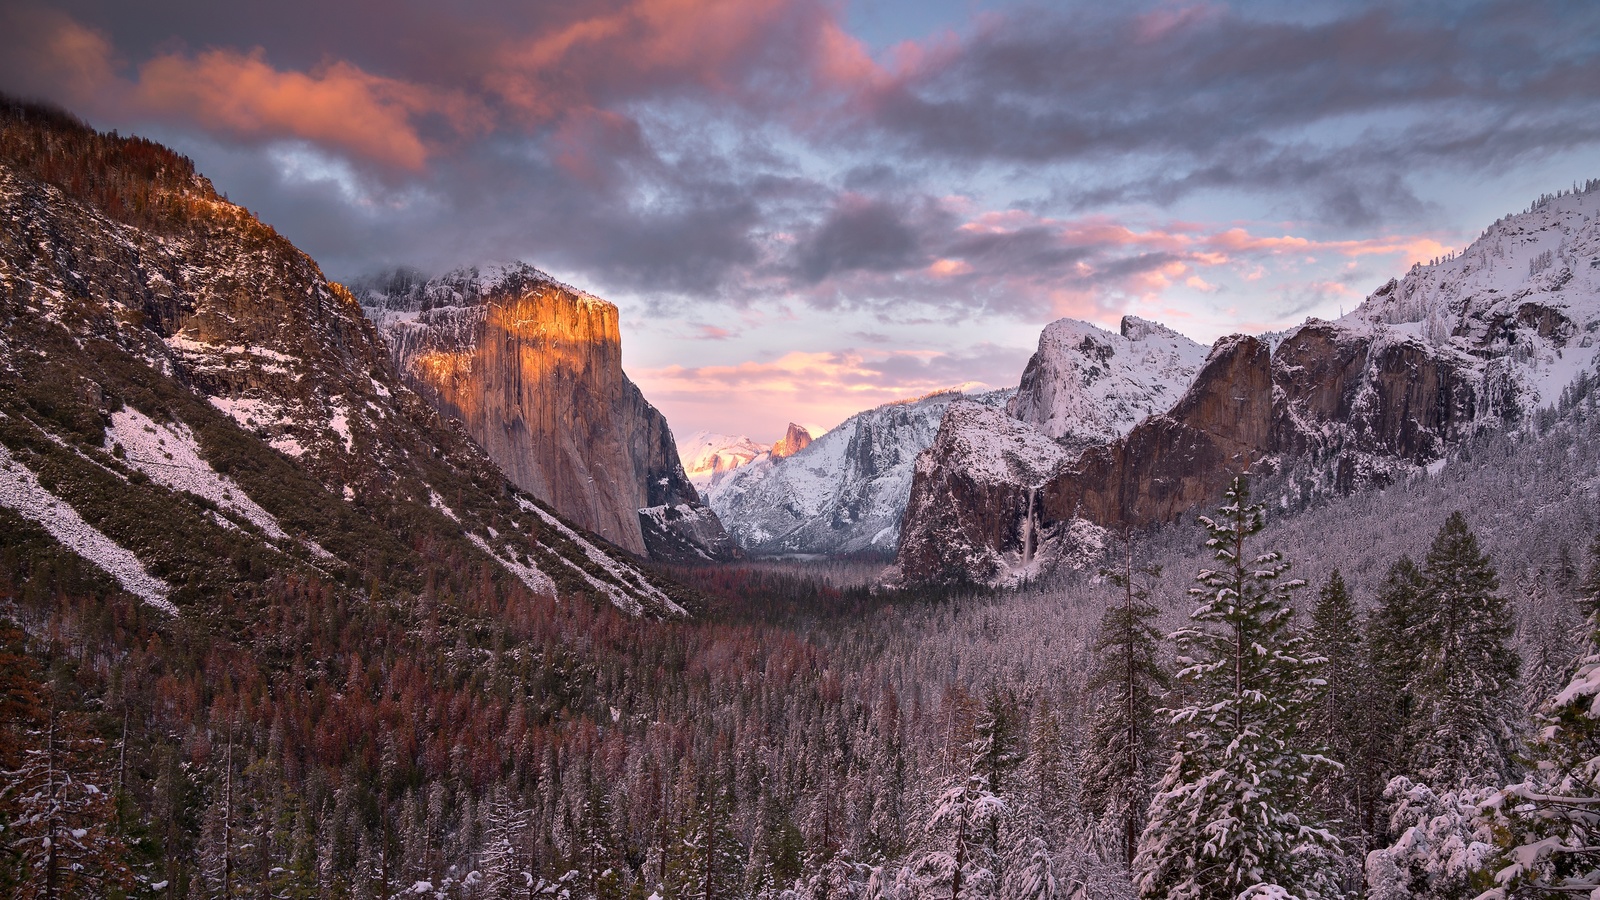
[(240, 94), (823, 386), (336, 105)]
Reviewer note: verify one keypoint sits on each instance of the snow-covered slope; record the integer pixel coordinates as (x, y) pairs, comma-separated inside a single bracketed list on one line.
[(708, 457), (1086, 386), (1523, 300), (845, 492), (1476, 340)]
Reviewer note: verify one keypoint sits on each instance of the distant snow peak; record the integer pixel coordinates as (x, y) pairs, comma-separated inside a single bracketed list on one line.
[(845, 492), (708, 457)]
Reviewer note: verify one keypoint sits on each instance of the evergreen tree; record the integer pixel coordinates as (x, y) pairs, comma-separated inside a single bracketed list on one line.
[(1338, 720), (1231, 811), (1464, 683), (961, 861), (58, 821), (1051, 775), (1548, 826), (1119, 764), (1393, 658), (710, 863)]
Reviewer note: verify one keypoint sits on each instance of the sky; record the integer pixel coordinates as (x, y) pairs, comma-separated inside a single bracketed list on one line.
[(806, 208)]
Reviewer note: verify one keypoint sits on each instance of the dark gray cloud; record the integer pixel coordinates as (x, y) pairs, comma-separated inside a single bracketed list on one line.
[(753, 150)]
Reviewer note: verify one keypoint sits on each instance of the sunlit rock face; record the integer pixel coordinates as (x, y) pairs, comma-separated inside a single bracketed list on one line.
[(532, 368), (795, 439)]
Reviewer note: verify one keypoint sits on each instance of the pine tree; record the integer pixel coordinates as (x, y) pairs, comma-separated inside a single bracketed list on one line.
[(58, 822), (961, 863), (710, 863), (1119, 764), (1461, 733), (1548, 826), (1338, 720), (1231, 813), (1393, 658)]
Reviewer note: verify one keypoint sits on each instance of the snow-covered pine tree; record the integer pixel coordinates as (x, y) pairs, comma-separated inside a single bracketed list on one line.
[(1232, 812), (59, 823), (1393, 658), (960, 861), (1120, 761), (1051, 776), (710, 863), (1548, 826), (1465, 681), (1338, 720)]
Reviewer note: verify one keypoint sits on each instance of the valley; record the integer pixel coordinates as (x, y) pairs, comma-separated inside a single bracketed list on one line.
[(402, 586)]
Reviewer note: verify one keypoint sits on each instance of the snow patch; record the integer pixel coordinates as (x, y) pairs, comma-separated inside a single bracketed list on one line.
[(530, 575), (623, 574), (171, 457), (20, 490)]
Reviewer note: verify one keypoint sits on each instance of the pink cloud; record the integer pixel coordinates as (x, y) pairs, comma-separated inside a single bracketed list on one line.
[(336, 104)]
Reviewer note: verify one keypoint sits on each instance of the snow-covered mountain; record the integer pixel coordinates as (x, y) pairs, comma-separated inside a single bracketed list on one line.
[(1086, 386), (1481, 339), (844, 492), (708, 457), (1523, 300)]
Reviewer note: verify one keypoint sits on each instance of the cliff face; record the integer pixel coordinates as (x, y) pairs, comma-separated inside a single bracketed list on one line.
[(187, 403), (794, 439), (1480, 339), (533, 369)]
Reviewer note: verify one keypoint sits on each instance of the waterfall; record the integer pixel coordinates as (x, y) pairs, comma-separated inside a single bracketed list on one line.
[(1027, 530)]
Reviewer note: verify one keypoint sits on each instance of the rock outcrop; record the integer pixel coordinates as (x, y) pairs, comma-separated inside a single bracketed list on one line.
[(532, 368), (1478, 340), (1333, 410), (795, 439)]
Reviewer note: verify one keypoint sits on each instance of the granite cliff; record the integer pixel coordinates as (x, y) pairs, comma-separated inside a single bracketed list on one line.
[(532, 368)]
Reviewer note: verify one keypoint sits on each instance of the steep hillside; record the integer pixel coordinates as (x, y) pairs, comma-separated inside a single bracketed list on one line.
[(533, 370), (188, 403), (844, 492), (1478, 340)]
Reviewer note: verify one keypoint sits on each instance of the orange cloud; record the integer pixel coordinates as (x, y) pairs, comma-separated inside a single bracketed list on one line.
[(337, 104), (546, 74), (947, 268)]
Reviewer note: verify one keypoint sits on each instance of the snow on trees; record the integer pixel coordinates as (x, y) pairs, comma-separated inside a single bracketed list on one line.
[(1462, 731), (1121, 758), (1548, 825), (1231, 812)]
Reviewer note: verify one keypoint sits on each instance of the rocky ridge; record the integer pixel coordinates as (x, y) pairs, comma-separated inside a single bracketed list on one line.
[(532, 368), (187, 402), (1479, 339)]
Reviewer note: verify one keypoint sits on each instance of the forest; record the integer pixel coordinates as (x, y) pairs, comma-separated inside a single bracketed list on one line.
[(1389, 695)]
